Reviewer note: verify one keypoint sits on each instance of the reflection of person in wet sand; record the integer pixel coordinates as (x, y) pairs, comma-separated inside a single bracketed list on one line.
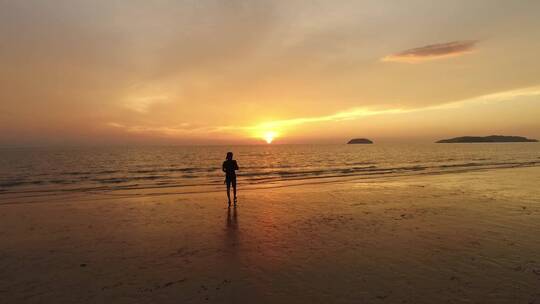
[(232, 219), (229, 167), (232, 241)]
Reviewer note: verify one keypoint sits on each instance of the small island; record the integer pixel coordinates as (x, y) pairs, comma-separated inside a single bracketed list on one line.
[(486, 139), (359, 141)]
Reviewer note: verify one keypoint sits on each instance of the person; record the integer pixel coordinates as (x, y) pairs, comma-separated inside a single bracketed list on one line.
[(229, 167)]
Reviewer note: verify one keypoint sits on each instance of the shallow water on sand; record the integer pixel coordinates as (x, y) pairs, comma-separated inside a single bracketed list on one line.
[(48, 171)]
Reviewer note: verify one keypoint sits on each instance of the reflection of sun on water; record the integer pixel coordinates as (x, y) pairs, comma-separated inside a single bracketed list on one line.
[(269, 136)]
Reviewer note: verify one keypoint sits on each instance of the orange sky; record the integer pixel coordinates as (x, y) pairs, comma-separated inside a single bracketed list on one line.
[(204, 72)]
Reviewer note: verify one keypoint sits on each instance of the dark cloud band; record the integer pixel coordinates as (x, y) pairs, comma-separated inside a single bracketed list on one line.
[(434, 51)]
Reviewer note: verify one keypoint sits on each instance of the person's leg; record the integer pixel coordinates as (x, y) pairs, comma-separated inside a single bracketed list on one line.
[(229, 190), (234, 188)]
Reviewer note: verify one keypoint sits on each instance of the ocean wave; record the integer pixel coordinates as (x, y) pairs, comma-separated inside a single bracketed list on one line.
[(112, 180)]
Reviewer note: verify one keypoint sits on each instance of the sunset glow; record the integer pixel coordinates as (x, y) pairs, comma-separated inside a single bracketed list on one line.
[(210, 73), (269, 151)]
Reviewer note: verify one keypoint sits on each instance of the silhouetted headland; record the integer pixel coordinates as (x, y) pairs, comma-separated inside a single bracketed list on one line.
[(486, 139), (360, 141)]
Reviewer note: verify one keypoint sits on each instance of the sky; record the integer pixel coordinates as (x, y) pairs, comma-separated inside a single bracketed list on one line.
[(239, 72)]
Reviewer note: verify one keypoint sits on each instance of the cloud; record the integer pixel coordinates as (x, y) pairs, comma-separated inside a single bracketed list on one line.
[(433, 51), (280, 126), (182, 129), (142, 104), (364, 112)]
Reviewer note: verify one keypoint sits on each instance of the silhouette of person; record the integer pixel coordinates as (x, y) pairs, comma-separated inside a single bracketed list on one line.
[(229, 167)]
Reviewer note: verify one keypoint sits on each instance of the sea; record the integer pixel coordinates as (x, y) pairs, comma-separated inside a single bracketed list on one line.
[(42, 172)]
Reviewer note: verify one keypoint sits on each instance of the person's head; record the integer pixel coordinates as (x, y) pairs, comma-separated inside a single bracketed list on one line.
[(229, 155)]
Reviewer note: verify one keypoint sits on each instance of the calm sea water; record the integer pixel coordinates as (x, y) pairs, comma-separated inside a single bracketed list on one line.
[(52, 170)]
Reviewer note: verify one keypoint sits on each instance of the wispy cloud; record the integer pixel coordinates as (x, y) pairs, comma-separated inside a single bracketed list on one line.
[(433, 51), (357, 113), (258, 130), (142, 104), (277, 125), (181, 129)]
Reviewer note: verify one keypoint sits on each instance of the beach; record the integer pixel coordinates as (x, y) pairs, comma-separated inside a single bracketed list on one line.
[(440, 238), (384, 152)]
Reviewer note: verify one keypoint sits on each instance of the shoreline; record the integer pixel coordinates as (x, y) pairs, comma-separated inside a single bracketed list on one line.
[(215, 188)]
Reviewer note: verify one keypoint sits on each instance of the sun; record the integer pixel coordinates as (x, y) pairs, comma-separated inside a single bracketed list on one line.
[(269, 136)]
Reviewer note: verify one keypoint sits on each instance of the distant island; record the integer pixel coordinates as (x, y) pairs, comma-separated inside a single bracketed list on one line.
[(486, 139), (359, 141)]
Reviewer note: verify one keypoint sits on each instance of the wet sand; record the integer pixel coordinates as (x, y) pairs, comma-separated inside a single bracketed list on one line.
[(454, 238)]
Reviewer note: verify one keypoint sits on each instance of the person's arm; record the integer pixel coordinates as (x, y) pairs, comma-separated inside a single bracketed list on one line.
[(236, 166), (223, 167)]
